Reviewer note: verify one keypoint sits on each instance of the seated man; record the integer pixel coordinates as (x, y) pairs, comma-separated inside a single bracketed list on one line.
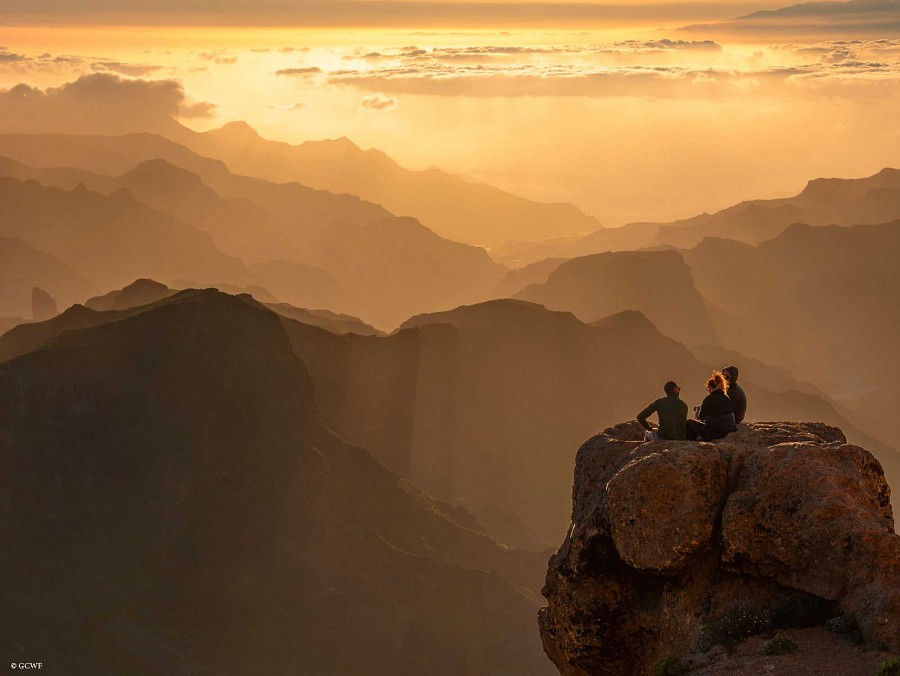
[(672, 414), (735, 393)]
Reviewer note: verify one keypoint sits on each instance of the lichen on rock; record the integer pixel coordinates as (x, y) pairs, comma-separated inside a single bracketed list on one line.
[(669, 537)]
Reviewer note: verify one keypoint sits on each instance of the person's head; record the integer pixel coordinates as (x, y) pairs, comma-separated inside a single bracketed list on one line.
[(671, 388), (717, 382), (730, 373)]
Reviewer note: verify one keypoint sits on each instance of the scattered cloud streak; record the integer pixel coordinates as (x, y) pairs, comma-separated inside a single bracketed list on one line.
[(837, 68), (299, 72), (508, 52), (130, 69), (48, 63), (378, 102)]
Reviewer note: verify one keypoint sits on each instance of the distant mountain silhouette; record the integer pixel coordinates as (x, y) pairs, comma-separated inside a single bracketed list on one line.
[(822, 301), (202, 520), (146, 291), (624, 238), (371, 265), (398, 267), (474, 213), (478, 403), (325, 319), (822, 20), (23, 267), (109, 240), (835, 201), (140, 292), (43, 306), (658, 283), (535, 273), (301, 284), (824, 201), (248, 217)]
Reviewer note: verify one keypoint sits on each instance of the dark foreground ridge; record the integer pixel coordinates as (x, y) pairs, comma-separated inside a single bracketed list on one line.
[(170, 504), (672, 543)]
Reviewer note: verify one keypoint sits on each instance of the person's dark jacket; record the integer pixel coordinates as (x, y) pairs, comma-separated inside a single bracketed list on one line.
[(736, 394), (672, 414), (717, 415)]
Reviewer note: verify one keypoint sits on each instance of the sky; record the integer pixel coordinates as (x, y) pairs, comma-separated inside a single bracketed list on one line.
[(619, 109)]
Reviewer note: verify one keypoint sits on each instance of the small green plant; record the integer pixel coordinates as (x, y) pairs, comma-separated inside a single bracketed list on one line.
[(782, 644), (890, 667), (738, 624), (846, 625), (667, 666), (843, 624)]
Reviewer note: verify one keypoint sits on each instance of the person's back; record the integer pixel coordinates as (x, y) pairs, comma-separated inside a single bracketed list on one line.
[(717, 414), (735, 393), (672, 412)]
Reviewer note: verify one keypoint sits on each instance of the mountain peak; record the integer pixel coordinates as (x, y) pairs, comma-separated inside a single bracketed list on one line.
[(626, 319), (497, 312), (159, 171), (235, 131)]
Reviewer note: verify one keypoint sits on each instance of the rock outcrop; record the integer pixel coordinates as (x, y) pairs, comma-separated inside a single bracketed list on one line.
[(669, 539), (139, 292)]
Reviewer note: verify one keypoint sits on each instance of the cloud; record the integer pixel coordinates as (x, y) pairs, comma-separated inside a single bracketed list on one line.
[(508, 52), (70, 64), (843, 77), (218, 57), (43, 63), (299, 72), (10, 57), (132, 69), (378, 102), (100, 103), (836, 51), (199, 110)]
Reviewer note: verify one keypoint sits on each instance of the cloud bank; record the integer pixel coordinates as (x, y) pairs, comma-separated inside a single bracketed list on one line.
[(837, 73), (101, 103)]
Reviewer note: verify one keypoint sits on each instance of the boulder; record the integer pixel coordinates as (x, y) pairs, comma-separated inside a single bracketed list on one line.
[(669, 539)]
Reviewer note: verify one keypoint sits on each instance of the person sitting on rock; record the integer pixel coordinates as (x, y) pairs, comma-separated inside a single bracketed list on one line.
[(672, 414), (735, 393), (715, 417)]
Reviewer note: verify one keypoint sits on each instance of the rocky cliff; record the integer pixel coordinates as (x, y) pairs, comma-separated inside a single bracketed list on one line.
[(671, 541), (170, 504)]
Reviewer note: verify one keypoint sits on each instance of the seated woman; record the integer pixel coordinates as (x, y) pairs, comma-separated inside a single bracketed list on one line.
[(715, 418)]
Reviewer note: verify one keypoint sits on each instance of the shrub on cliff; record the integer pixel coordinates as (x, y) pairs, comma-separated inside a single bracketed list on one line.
[(738, 624), (890, 667), (668, 666), (782, 644)]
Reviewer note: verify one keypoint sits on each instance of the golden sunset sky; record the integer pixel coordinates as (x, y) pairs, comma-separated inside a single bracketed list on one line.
[(616, 107)]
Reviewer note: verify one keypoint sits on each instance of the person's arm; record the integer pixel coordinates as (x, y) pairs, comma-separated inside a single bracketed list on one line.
[(646, 413), (704, 407)]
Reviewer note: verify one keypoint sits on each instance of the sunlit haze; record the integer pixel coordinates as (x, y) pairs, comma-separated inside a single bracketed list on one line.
[(629, 122)]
